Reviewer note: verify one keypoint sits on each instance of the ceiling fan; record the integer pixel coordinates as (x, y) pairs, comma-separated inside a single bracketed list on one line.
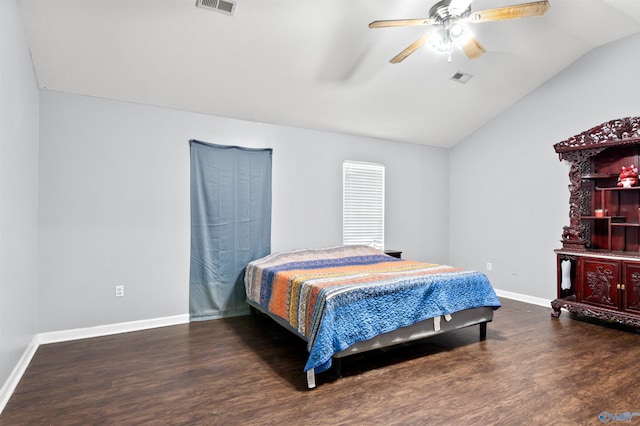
[(450, 17)]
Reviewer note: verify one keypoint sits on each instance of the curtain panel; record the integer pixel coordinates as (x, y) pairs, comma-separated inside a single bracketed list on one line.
[(230, 225)]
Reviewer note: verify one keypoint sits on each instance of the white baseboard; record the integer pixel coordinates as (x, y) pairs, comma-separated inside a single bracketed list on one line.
[(14, 378), (524, 298), (79, 333), (106, 330)]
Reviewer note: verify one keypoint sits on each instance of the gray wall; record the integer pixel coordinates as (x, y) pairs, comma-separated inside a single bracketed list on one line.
[(18, 191), (114, 202), (509, 196)]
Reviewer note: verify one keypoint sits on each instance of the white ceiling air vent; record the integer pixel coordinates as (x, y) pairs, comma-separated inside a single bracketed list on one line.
[(223, 6), (461, 77)]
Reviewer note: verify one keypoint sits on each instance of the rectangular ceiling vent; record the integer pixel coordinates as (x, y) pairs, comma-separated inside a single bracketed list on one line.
[(461, 77), (223, 6)]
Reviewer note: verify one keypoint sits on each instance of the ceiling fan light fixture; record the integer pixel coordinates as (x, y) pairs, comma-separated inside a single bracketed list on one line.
[(440, 41), (456, 30), (458, 33)]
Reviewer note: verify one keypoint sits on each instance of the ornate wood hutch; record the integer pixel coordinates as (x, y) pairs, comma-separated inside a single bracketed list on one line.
[(599, 262)]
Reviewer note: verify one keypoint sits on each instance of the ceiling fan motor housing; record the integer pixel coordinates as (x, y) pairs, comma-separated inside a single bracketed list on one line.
[(441, 13)]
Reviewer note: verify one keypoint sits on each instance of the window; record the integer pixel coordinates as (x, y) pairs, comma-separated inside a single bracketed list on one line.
[(363, 204)]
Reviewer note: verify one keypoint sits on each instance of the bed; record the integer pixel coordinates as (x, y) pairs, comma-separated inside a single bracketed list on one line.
[(350, 299)]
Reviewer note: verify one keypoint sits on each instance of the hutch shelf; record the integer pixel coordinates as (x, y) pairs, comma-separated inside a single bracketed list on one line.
[(599, 262)]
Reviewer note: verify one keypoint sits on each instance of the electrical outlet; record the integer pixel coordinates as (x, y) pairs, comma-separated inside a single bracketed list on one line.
[(489, 266), (119, 291)]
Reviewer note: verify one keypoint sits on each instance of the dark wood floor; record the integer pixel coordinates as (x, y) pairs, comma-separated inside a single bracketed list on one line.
[(531, 370)]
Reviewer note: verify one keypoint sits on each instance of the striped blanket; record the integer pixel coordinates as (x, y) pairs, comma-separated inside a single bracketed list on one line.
[(338, 296)]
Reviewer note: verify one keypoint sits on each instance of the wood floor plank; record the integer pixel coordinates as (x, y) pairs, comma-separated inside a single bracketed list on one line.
[(531, 369)]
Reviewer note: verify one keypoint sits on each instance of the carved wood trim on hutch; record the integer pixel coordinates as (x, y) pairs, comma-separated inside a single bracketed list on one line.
[(601, 250)]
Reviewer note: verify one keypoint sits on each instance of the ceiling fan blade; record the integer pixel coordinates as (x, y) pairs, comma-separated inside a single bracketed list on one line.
[(524, 10), (401, 23), (409, 50), (473, 49)]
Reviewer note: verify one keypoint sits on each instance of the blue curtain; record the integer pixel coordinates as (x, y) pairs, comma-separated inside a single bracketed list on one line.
[(230, 225)]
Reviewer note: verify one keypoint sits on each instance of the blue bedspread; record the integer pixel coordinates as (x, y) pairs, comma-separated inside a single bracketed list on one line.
[(335, 298)]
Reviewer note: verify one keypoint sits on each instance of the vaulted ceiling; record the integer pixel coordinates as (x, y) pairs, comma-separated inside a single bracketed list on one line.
[(311, 64)]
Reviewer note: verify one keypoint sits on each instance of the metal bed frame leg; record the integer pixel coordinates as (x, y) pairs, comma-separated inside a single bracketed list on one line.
[(337, 367), (311, 379)]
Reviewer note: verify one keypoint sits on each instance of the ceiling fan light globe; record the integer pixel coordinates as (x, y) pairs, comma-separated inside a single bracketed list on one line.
[(456, 31), (440, 41), (459, 34)]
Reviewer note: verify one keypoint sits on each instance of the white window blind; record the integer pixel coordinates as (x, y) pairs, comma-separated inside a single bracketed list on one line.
[(363, 204)]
